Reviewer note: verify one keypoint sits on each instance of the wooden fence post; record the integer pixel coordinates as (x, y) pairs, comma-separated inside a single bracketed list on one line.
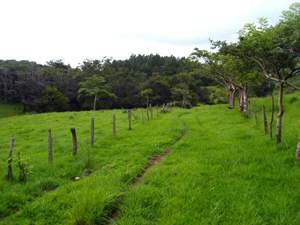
[(114, 125), (129, 119), (50, 159), (298, 149), (265, 120), (10, 173), (163, 108), (157, 110), (148, 113), (92, 131), (142, 116), (255, 113), (171, 106), (74, 140), (151, 111), (250, 112)]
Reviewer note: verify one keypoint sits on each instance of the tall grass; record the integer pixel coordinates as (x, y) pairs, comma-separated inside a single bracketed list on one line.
[(224, 171), (50, 193)]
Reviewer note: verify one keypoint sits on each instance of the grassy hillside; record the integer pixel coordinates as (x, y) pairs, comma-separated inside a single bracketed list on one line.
[(223, 170), (7, 110)]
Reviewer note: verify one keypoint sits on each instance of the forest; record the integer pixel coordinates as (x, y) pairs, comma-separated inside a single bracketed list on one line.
[(263, 58)]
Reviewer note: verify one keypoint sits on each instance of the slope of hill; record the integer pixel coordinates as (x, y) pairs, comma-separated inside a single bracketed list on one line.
[(221, 168)]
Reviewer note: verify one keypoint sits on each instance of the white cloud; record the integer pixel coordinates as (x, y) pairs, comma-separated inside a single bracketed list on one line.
[(74, 30)]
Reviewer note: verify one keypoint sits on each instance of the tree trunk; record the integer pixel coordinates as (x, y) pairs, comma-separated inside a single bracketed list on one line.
[(232, 96), (272, 112), (298, 149), (95, 102), (280, 113), (241, 99), (245, 98)]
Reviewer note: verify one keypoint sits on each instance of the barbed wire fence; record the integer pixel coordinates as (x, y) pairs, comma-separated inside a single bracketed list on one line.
[(293, 137), (165, 108)]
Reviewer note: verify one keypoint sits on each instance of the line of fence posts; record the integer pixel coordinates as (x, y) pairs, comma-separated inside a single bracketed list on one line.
[(271, 123), (74, 137)]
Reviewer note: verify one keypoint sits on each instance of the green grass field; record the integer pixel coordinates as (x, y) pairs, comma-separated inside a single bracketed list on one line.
[(221, 169), (7, 110)]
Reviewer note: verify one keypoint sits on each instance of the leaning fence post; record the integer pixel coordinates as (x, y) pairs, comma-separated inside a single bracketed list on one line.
[(74, 140), (129, 119), (265, 119), (298, 149), (49, 146), (255, 113), (10, 173), (92, 131), (114, 125)]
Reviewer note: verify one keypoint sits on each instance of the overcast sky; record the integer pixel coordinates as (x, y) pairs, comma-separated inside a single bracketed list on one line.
[(73, 30)]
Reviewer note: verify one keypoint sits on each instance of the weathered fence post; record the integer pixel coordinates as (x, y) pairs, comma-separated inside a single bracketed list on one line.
[(151, 111), (255, 110), (114, 125), (298, 149), (10, 173), (129, 119), (174, 105), (157, 110), (265, 119), (250, 112), (50, 159), (163, 108), (74, 140), (148, 113), (171, 106), (92, 131), (142, 116)]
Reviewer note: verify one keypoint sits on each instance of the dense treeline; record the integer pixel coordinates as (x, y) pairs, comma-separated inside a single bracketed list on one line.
[(263, 56), (103, 84)]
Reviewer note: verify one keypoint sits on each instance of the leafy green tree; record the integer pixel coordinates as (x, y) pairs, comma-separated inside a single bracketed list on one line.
[(54, 101), (94, 86), (146, 94)]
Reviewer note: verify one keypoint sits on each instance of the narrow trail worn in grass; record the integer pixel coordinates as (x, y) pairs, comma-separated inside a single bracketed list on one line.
[(225, 171), (154, 162)]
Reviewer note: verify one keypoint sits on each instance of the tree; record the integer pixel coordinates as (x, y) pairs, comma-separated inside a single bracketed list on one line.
[(93, 86), (273, 50), (146, 94), (54, 101)]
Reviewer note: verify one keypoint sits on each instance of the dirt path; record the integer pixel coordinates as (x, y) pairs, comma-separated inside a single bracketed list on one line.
[(155, 161)]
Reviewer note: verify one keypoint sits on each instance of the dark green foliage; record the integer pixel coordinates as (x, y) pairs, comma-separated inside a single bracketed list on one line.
[(58, 87), (54, 101)]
